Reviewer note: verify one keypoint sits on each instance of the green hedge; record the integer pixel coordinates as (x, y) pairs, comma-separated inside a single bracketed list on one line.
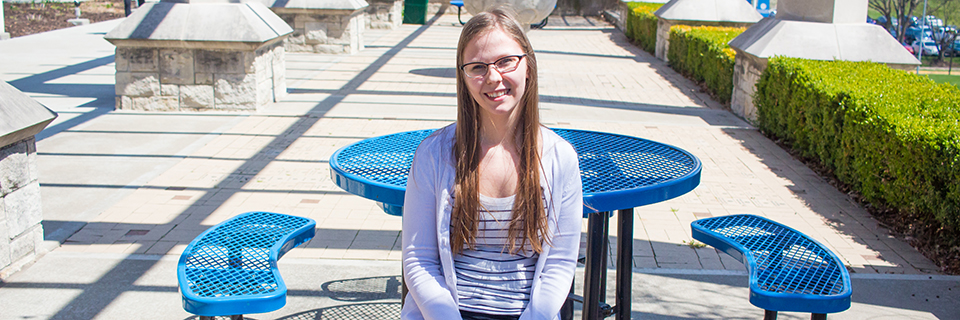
[(702, 54), (892, 135), (641, 25)]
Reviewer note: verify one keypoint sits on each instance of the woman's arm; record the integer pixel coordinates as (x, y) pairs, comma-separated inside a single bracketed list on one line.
[(421, 252), (561, 262)]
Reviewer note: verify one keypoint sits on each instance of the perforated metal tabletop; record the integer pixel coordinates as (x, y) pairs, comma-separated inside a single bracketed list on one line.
[(619, 173)]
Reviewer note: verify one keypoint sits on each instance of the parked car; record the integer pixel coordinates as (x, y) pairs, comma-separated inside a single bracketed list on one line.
[(909, 48), (914, 33), (929, 47), (952, 50), (933, 22)]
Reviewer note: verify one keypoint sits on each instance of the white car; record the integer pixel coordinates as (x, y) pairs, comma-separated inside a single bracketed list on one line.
[(929, 47)]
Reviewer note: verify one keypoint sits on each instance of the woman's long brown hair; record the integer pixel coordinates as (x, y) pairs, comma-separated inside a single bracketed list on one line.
[(529, 221)]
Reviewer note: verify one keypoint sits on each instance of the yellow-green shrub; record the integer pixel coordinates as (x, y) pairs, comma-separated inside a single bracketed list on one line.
[(702, 54), (641, 25), (892, 135)]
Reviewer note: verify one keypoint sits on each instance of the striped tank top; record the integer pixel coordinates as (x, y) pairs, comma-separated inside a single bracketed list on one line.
[(489, 279)]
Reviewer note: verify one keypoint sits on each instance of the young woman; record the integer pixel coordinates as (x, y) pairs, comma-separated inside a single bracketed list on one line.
[(491, 219)]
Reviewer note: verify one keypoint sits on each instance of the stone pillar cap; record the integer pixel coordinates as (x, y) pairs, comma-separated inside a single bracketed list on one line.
[(709, 10), (827, 11), (201, 25), (317, 4), (22, 117), (822, 41)]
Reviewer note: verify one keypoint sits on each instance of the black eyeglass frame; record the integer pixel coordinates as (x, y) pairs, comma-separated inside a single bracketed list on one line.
[(494, 64)]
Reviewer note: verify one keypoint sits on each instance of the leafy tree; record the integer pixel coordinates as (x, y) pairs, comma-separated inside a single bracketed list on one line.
[(949, 12), (901, 10)]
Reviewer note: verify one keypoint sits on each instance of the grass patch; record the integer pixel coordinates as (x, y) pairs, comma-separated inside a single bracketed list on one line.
[(942, 78)]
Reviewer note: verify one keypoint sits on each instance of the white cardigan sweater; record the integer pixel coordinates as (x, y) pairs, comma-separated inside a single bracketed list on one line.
[(427, 258)]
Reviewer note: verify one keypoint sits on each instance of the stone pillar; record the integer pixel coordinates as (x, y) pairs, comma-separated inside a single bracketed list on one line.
[(528, 11), (177, 56), (323, 26), (384, 14), (3, 34), (21, 234), (618, 15), (722, 13), (436, 7), (810, 29), (746, 69)]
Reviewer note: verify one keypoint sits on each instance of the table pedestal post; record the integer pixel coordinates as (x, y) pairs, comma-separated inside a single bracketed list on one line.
[(593, 271), (566, 311), (624, 263)]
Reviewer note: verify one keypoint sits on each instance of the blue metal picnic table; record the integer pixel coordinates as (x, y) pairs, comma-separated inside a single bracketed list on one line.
[(619, 173)]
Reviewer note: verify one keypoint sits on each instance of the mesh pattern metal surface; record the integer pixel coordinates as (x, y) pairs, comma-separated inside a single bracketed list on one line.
[(608, 162), (384, 159), (233, 259), (787, 261)]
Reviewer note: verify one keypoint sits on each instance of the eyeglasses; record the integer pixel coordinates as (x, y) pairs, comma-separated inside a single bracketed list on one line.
[(503, 65)]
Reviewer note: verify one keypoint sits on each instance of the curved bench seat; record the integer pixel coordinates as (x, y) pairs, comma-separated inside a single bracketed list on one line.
[(788, 270), (231, 269)]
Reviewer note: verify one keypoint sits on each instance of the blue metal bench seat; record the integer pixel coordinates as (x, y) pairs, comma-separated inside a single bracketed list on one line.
[(231, 269), (789, 271)]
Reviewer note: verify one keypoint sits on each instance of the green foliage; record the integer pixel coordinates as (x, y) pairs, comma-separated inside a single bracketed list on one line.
[(641, 25), (892, 135), (702, 54)]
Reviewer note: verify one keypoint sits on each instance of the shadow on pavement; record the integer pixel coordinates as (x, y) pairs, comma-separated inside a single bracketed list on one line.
[(687, 87), (363, 289), (364, 311), (847, 217), (102, 94), (125, 274), (377, 310)]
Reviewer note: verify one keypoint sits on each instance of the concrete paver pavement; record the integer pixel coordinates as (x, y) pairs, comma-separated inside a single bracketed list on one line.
[(71, 286), (126, 191)]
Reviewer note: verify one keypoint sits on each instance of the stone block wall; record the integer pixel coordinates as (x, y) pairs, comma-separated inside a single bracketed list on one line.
[(442, 7), (663, 39), (3, 34), (21, 235), (616, 15), (747, 69), (384, 14), (324, 31), (197, 79)]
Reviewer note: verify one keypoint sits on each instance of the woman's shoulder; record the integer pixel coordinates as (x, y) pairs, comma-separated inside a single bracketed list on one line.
[(437, 143), (552, 142), (438, 137)]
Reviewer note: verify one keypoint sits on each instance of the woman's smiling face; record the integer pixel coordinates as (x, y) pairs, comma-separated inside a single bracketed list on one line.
[(498, 94)]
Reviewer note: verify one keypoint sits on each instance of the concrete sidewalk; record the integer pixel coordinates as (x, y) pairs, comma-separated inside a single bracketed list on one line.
[(124, 192)]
